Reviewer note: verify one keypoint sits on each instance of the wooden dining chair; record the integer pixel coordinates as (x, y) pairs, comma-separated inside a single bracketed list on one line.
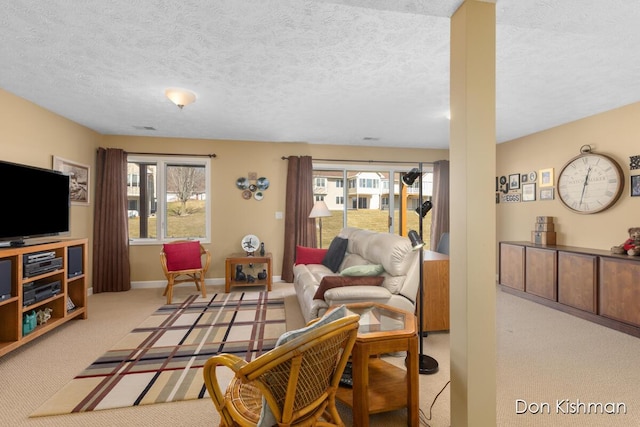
[(294, 384), (182, 261)]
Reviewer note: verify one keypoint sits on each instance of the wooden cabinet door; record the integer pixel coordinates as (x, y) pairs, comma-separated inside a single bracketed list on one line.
[(577, 280), (436, 292), (620, 290), (512, 266), (541, 273)]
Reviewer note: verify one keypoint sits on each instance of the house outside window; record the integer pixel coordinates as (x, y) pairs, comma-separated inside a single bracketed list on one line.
[(374, 198), (171, 200)]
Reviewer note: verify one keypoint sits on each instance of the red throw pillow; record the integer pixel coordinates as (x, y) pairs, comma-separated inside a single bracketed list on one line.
[(305, 255), (183, 255), (329, 282)]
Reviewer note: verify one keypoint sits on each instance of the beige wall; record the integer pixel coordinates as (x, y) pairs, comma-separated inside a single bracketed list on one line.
[(232, 216), (32, 135), (614, 133)]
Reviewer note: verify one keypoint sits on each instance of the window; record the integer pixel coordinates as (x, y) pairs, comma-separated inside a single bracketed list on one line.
[(320, 182), (374, 198), (133, 180), (170, 199)]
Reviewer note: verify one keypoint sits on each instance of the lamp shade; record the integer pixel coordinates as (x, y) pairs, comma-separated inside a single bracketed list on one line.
[(416, 240), (180, 97), (320, 210), (424, 208), (410, 177)]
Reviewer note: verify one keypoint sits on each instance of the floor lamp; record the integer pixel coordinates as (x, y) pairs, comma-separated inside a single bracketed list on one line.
[(320, 210), (426, 364)]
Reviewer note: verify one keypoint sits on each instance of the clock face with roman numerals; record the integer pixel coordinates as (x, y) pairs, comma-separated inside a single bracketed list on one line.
[(590, 183)]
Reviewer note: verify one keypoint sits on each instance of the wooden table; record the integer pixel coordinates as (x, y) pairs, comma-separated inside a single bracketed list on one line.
[(245, 260), (379, 386)]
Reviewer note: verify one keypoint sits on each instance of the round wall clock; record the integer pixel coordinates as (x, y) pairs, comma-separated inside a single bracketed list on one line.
[(250, 243), (590, 182)]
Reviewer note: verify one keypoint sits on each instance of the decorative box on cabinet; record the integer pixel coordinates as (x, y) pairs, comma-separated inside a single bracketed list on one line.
[(72, 289)]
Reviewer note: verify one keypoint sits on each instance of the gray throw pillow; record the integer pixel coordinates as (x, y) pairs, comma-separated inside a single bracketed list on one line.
[(363, 270), (335, 254)]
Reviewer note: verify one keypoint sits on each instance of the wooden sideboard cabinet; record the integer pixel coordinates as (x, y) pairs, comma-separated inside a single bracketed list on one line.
[(589, 283), (435, 302)]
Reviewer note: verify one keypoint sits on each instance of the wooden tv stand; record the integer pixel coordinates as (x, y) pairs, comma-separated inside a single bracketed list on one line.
[(12, 309)]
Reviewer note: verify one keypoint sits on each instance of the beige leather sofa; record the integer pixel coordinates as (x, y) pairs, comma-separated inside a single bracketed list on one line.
[(399, 288)]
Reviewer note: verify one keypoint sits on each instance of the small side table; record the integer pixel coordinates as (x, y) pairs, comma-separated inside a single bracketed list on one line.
[(379, 386), (244, 259)]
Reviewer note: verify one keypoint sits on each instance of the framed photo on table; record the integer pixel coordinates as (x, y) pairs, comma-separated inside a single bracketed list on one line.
[(79, 179)]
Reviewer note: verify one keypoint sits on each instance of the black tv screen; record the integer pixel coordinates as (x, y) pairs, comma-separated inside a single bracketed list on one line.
[(36, 202)]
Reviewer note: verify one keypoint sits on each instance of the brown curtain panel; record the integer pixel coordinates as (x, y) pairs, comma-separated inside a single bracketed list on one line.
[(440, 212), (111, 268), (299, 229)]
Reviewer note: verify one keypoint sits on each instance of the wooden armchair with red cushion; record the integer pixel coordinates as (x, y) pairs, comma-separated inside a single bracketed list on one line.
[(182, 261)]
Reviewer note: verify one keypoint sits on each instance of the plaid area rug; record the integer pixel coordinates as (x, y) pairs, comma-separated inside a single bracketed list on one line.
[(161, 360)]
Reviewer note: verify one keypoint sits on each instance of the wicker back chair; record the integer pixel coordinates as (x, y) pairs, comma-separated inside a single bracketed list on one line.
[(182, 261), (298, 379)]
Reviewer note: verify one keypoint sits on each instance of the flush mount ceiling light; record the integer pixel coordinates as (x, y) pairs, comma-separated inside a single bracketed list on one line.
[(180, 97)]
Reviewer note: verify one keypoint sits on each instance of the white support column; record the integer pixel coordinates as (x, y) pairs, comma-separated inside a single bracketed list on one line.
[(472, 256)]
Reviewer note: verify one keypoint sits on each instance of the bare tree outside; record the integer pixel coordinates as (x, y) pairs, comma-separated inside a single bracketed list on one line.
[(185, 182)]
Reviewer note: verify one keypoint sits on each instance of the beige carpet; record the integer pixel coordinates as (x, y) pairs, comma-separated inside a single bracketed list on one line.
[(543, 355), (35, 372), (546, 356)]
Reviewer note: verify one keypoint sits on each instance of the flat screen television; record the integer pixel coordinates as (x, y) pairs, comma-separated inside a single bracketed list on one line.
[(35, 202)]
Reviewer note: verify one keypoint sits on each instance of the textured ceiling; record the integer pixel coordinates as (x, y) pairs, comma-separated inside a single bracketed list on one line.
[(353, 72)]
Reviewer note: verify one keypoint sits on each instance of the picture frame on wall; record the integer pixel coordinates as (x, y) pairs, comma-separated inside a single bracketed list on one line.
[(546, 193), (635, 185), (79, 179), (514, 181), (546, 177), (529, 192)]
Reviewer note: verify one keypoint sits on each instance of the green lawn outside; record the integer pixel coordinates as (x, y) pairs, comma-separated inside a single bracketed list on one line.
[(371, 219), (190, 225)]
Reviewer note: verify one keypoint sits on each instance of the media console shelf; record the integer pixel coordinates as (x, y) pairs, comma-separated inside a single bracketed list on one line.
[(589, 283), (52, 288)]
